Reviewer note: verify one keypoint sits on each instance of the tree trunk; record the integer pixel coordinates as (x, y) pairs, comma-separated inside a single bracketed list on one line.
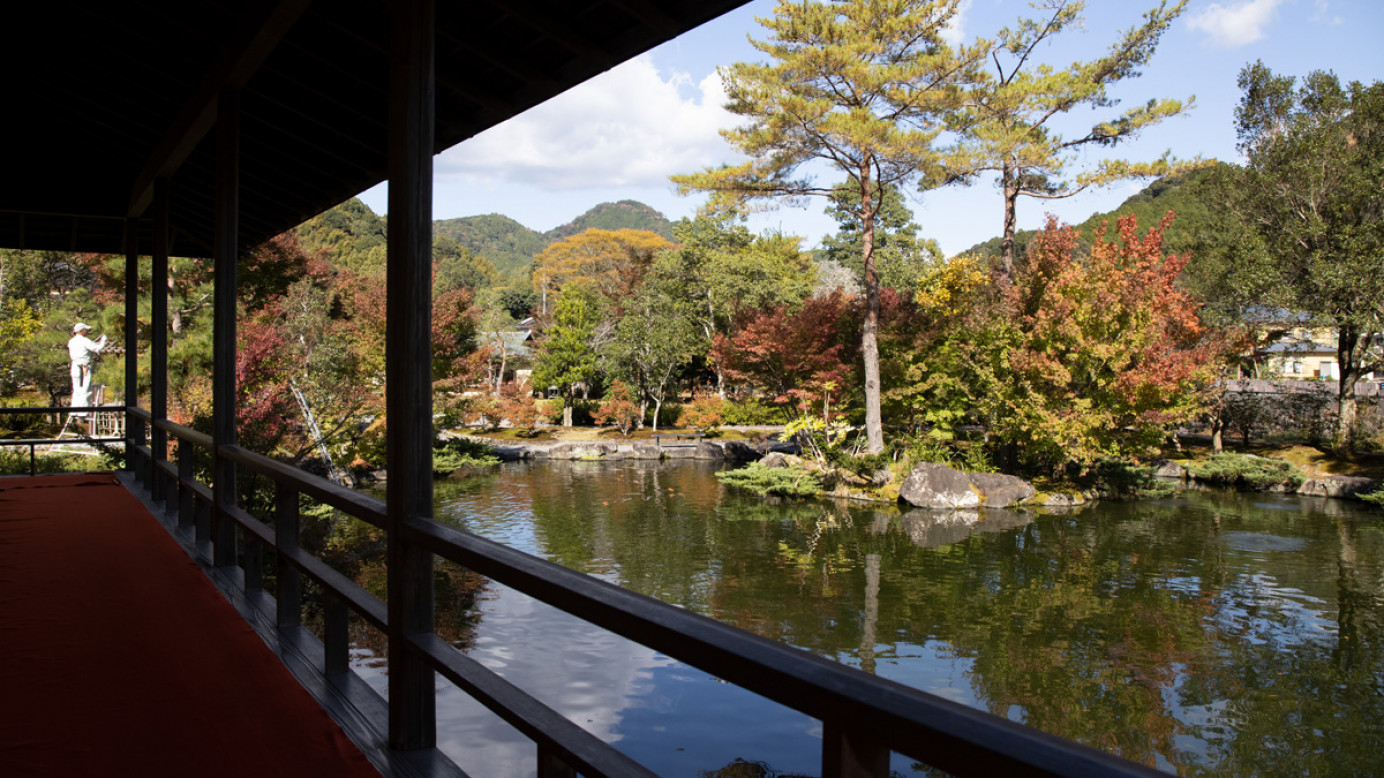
[(1010, 186), (658, 408), (1348, 359), (869, 336)]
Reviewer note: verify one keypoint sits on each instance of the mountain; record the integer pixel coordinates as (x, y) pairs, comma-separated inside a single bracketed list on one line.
[(624, 215), (1180, 194), (509, 245), (356, 235)]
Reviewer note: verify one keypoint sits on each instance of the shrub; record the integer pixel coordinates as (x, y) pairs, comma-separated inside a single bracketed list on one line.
[(1247, 471), (750, 411), (516, 404), (451, 454), (1376, 497), (703, 414), (779, 481), (618, 409), (1122, 480)]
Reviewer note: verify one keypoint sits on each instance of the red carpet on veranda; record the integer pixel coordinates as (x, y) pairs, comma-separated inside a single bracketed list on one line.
[(118, 657)]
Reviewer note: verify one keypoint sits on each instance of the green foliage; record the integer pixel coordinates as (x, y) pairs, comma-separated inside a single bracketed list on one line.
[(353, 234), (1376, 497), (1123, 480), (1299, 227), (503, 242), (455, 266), (1247, 471), (776, 481), (901, 257), (566, 355), (14, 460), (451, 454), (751, 411)]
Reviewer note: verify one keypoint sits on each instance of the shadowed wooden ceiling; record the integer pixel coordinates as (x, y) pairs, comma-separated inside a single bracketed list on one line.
[(104, 97)]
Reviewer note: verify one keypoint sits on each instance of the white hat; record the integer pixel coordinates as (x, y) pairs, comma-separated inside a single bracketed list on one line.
[(78, 327)]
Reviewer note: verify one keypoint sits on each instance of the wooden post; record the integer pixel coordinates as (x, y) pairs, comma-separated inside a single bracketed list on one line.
[(408, 365), (850, 753), (134, 428), (158, 342), (225, 255)]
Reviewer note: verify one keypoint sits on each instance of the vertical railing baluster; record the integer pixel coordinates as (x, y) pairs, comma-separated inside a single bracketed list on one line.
[(186, 503), (552, 766), (254, 563), (851, 753), (202, 534), (289, 588), (336, 635)]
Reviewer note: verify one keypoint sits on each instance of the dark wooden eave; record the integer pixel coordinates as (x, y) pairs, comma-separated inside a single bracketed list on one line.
[(104, 97)]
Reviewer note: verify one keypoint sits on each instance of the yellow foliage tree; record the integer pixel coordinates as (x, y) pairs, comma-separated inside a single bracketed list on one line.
[(612, 261)]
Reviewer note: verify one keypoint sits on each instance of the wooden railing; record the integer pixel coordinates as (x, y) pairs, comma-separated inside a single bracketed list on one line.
[(865, 718), (33, 443)]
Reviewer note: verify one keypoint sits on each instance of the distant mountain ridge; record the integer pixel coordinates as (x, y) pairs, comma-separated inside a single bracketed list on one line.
[(511, 246)]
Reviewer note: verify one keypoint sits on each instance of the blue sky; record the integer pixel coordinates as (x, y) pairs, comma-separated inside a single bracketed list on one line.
[(620, 135)]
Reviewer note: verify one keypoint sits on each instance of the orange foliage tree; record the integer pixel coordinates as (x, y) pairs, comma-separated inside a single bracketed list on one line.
[(1098, 356), (614, 262)]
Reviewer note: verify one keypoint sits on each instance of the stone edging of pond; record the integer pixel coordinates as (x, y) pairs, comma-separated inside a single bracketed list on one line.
[(599, 450)]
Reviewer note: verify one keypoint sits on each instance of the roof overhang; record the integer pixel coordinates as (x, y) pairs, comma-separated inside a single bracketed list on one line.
[(106, 97)]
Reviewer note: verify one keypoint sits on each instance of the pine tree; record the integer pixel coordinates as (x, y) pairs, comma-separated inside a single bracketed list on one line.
[(1007, 114), (861, 85)]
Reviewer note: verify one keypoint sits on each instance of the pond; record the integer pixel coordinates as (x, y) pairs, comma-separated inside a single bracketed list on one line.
[(1207, 634)]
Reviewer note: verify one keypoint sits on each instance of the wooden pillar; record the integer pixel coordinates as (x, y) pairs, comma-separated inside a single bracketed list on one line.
[(134, 428), (225, 255), (158, 342), (408, 365)]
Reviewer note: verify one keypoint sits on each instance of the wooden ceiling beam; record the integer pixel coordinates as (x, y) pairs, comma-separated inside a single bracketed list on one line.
[(246, 51)]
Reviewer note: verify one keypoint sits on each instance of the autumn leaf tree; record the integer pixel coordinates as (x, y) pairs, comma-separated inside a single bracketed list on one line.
[(612, 262), (1009, 115), (860, 85), (1096, 357)]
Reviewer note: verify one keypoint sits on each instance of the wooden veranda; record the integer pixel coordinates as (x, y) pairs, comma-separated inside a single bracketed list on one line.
[(203, 127)]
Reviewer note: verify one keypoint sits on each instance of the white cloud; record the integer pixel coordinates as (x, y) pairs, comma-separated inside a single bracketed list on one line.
[(1235, 25), (628, 127), (955, 31)]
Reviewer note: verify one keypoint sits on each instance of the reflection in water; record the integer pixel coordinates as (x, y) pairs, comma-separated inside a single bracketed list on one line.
[(1209, 634)]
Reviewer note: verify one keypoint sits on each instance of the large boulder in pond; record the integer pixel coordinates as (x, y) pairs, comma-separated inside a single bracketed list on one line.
[(932, 485)]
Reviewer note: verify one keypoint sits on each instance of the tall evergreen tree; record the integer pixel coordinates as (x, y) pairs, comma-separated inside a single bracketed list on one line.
[(861, 85), (1007, 114)]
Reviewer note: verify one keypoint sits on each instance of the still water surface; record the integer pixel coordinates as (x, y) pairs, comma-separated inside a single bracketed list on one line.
[(1210, 634)]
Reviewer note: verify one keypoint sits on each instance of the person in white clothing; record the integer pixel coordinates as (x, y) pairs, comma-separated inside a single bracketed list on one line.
[(80, 348)]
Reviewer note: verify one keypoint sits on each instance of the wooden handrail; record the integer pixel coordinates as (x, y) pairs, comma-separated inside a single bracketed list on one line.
[(940, 732), (864, 716), (363, 507), (575, 746)]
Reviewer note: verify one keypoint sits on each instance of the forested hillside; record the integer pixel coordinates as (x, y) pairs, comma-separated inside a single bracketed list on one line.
[(511, 247), (1181, 194), (624, 215), (507, 244)]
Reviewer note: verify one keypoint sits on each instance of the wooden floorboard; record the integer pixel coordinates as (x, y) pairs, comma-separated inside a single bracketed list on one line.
[(119, 656)]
